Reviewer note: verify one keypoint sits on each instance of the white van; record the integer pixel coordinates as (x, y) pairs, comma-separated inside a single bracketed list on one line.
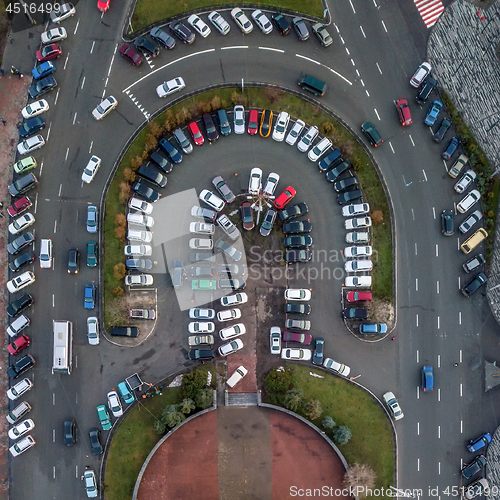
[(240, 372), (18, 325), (46, 254)]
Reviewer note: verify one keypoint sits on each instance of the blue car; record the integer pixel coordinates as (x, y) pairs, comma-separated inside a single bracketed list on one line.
[(476, 444), (373, 328), (452, 147), (44, 69), (427, 378), (172, 152), (433, 113), (125, 393), (89, 296), (31, 127)]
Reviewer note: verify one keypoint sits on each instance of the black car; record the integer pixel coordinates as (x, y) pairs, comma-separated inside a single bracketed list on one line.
[(19, 305), (162, 162), (297, 309), (474, 467), (335, 173), (42, 86), (73, 261), (349, 196), (182, 32), (21, 366), (302, 255), (152, 175), (473, 286), (425, 89), (31, 126), (225, 127), (344, 184), (268, 222), (212, 134), (162, 37), (146, 192), (22, 260), (201, 354), (443, 128), (297, 226), (138, 264), (451, 148), (355, 313), (171, 151), (371, 134), (95, 442), (232, 284), (23, 185), (298, 241), (281, 24), (146, 46), (124, 331), (317, 358), (69, 431), (447, 222), (293, 211), (330, 161), (20, 242)]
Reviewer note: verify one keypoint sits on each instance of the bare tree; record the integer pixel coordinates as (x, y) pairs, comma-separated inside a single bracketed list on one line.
[(313, 409), (361, 476)]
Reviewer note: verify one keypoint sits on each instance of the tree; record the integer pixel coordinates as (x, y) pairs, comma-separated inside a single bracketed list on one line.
[(327, 128), (342, 434), (159, 427), (120, 234), (119, 271), (279, 380), (203, 398), (192, 382), (171, 416), (293, 399), (360, 475), (216, 103), (118, 291), (136, 162), (328, 423), (150, 143), (313, 409), (129, 175), (377, 217), (155, 129), (124, 194), (187, 406), (121, 220)]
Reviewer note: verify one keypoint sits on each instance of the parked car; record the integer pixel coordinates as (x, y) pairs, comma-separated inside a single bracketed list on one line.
[(300, 255), (19, 243), (355, 313), (221, 25), (162, 162), (359, 297), (199, 25), (212, 134), (234, 300), (53, 35), (162, 37), (275, 339), (319, 149), (31, 144), (295, 132), (21, 223), (130, 55), (223, 189), (146, 46), (473, 286), (262, 21), (22, 445), (451, 148), (297, 309), (239, 119), (477, 488), (266, 121), (474, 467), (372, 328), (433, 113), (20, 261), (473, 218), (297, 226), (349, 196), (182, 32), (281, 126), (21, 366), (204, 354), (170, 150), (228, 250), (392, 403), (19, 282), (473, 263), (468, 201), (477, 444), (296, 354), (331, 161), (21, 429), (465, 181), (336, 367), (322, 34), (211, 200), (307, 139), (300, 28), (300, 338), (103, 415), (268, 222), (95, 443), (317, 358), (48, 52), (293, 211), (458, 166), (35, 108), (43, 69), (233, 331), (281, 24), (230, 347), (17, 390), (228, 227), (419, 76), (284, 197), (356, 209), (443, 128), (247, 215), (253, 122), (255, 181), (63, 12), (241, 20), (19, 305), (114, 404)]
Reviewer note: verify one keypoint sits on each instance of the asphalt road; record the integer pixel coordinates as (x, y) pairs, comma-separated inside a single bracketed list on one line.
[(436, 324)]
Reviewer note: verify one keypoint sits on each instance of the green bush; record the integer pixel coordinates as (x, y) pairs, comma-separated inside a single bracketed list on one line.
[(279, 380), (204, 398), (192, 382)]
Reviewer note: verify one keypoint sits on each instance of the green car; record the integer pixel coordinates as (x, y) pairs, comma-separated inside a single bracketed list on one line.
[(102, 413), (24, 165), (91, 253), (203, 285)]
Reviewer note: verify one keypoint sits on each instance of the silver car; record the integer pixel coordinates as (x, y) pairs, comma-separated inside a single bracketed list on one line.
[(228, 227), (183, 141), (106, 106)]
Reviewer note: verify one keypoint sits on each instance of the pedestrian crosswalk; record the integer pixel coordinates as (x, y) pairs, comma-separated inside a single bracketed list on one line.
[(429, 10)]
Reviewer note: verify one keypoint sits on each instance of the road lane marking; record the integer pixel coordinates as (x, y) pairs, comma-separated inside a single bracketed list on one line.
[(418, 392), (83, 83), (308, 59), (459, 287), (234, 47), (92, 47), (439, 360), (439, 323), (74, 118), (362, 82), (392, 149), (36, 202), (418, 428), (461, 390), (376, 112), (425, 176), (461, 358), (437, 250), (434, 212), (347, 50), (413, 215), (352, 6), (415, 247), (76, 27), (439, 394), (57, 97), (378, 67), (383, 24), (66, 61), (271, 49), (361, 28), (325, 66), (459, 317), (41, 168), (417, 318), (418, 464), (411, 139), (439, 432), (60, 189), (416, 284)]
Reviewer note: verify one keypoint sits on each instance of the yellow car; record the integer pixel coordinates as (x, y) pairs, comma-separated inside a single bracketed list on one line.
[(266, 122)]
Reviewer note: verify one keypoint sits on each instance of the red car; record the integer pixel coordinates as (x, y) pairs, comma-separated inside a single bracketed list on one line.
[(285, 197), (301, 338), (103, 5), (196, 133), (130, 54), (247, 215), (19, 206), (359, 296), (19, 344), (404, 112), (253, 122), (48, 52)]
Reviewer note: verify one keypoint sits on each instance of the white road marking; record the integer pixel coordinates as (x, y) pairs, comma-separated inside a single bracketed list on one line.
[(439, 323), (378, 67), (234, 47), (92, 47), (361, 28), (308, 59), (413, 215), (74, 118), (83, 83), (437, 288), (417, 318), (416, 253), (53, 399), (439, 360), (67, 154), (57, 96), (66, 61), (461, 358), (41, 168), (411, 139), (352, 62), (461, 426), (383, 24), (418, 356), (392, 149), (53, 435), (60, 189), (418, 428), (53, 299), (347, 50), (439, 394), (434, 212), (437, 250), (36, 202), (416, 284), (76, 27), (425, 176), (439, 432), (271, 49), (418, 392), (439, 468), (367, 93), (352, 6), (324, 66), (459, 317), (357, 73), (418, 464), (459, 287), (362, 82), (90, 148), (376, 112), (461, 390)]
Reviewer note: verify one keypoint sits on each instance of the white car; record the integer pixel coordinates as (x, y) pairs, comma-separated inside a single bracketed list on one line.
[(90, 483), (93, 330), (242, 20), (140, 220), (296, 354), (30, 144), (476, 489), (255, 181), (170, 87), (106, 106), (419, 76), (91, 169), (201, 244), (21, 281), (392, 403), (21, 429), (114, 404), (22, 445), (35, 108), (319, 149), (139, 279), (199, 25), (354, 210), (239, 119), (201, 327), (201, 313), (230, 332), (275, 339), (19, 389), (140, 205), (228, 227), (228, 314), (473, 218), (212, 200), (54, 35), (336, 367), (357, 237), (357, 266), (271, 183), (469, 201), (21, 223), (201, 228), (143, 236), (298, 294), (281, 126), (295, 132), (221, 25), (63, 12), (305, 143), (230, 347), (234, 300), (358, 251), (465, 181), (358, 223), (358, 282), (262, 21)]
